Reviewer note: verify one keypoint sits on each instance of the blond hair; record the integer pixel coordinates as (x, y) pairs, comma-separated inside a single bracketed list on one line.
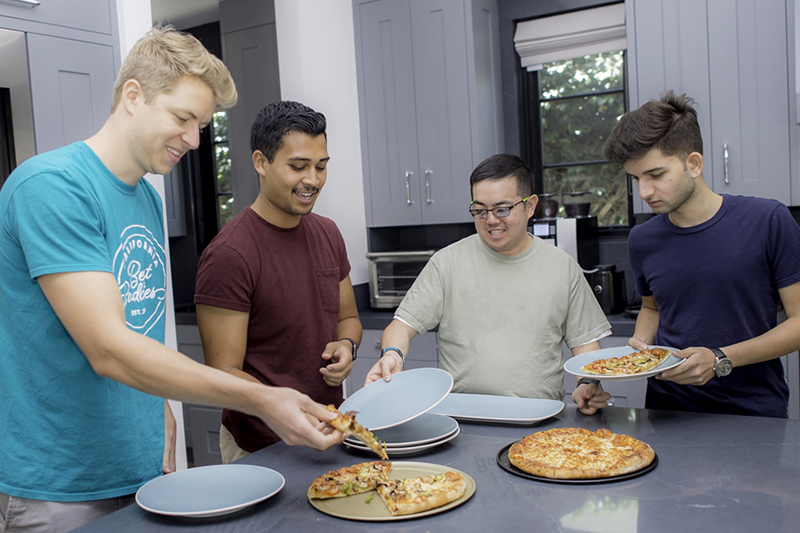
[(165, 55)]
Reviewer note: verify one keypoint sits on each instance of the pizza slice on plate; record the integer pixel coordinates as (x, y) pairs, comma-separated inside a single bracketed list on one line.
[(631, 364), (415, 495), (349, 480)]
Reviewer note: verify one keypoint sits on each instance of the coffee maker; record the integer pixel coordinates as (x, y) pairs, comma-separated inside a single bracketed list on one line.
[(576, 236), (576, 233)]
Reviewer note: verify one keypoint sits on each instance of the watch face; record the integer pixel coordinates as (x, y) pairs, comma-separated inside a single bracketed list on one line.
[(724, 367)]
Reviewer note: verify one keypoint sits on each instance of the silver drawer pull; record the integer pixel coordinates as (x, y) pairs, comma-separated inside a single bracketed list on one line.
[(408, 187), (25, 3), (428, 186), (725, 164)]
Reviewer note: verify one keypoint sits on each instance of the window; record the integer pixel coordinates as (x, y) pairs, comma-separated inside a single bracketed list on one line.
[(222, 167), (572, 84), (573, 106)]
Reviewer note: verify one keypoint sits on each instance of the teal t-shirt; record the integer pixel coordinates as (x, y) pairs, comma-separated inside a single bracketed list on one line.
[(67, 433)]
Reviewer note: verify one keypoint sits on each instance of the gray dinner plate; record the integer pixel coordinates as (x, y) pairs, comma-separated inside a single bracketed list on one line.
[(425, 428), (497, 409)]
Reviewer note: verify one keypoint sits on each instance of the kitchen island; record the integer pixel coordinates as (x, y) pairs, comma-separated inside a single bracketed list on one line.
[(714, 473)]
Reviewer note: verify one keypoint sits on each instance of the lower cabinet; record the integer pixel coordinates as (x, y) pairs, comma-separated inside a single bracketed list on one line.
[(623, 393), (421, 353)]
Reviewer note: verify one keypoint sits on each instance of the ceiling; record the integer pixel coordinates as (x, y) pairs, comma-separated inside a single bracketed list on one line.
[(184, 13)]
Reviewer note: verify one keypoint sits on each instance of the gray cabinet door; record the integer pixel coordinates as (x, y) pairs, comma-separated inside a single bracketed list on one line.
[(749, 98), (441, 86), (389, 127), (71, 85), (731, 57)]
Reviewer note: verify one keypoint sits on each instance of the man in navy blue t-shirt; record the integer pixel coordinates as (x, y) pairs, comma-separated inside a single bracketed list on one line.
[(713, 271)]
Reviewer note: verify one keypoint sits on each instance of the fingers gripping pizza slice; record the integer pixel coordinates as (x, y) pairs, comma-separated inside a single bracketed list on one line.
[(634, 363), (346, 423)]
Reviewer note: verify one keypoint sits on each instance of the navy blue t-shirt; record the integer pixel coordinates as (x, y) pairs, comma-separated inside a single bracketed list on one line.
[(716, 284)]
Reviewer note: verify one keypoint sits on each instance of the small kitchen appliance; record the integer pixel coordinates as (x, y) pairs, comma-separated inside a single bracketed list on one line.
[(576, 236), (608, 286), (391, 274)]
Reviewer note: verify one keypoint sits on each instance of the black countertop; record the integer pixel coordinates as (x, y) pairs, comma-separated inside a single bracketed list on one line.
[(714, 473)]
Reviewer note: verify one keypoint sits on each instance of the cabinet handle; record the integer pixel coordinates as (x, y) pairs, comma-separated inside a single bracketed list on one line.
[(725, 163), (428, 186), (408, 187), (26, 3)]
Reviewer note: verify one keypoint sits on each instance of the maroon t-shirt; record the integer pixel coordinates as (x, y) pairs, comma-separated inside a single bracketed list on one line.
[(288, 281)]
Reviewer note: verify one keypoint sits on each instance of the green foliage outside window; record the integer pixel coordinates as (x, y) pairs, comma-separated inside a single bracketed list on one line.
[(222, 160), (581, 100)]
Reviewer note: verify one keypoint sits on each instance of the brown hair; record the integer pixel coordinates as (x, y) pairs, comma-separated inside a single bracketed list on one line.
[(669, 124), (165, 55)]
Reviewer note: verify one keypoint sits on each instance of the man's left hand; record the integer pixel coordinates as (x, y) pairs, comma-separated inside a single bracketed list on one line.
[(341, 362), (589, 398), (697, 367)]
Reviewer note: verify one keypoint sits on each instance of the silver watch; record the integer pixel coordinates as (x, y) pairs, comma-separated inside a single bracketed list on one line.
[(724, 366)]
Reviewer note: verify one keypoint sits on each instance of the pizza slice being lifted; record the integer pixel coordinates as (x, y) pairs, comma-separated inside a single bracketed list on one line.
[(346, 423), (631, 364)]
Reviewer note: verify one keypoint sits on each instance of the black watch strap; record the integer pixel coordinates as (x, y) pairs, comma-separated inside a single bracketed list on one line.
[(589, 381), (355, 346)]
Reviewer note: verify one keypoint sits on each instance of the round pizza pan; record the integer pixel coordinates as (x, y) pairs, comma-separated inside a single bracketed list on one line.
[(505, 464)]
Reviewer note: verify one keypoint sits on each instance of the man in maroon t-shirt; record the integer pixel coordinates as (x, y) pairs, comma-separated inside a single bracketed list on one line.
[(274, 299)]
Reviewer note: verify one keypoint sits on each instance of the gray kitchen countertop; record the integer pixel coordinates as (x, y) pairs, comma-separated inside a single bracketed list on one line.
[(714, 473)]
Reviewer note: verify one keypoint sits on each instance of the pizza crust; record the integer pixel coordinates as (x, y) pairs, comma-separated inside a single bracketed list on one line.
[(576, 453)]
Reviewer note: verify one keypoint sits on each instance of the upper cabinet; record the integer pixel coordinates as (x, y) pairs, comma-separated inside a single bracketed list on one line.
[(733, 58), (430, 105), (89, 15)]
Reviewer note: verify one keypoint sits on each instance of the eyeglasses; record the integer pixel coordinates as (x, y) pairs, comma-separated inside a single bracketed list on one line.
[(500, 212)]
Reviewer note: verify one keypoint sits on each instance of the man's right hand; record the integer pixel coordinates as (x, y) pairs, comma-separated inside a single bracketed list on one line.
[(384, 368), (299, 420)]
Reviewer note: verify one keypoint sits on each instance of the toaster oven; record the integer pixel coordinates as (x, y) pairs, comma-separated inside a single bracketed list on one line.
[(391, 274)]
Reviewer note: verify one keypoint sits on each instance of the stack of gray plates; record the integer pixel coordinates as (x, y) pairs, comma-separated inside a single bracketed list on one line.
[(417, 435)]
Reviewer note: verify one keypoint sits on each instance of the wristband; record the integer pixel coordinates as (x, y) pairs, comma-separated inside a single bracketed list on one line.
[(354, 351), (590, 381), (393, 349)]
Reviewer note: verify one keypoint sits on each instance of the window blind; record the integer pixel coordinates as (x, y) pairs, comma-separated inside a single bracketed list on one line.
[(590, 31)]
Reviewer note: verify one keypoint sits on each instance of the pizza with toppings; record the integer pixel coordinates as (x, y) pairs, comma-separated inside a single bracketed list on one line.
[(349, 480), (631, 364), (575, 453), (346, 423), (415, 495)]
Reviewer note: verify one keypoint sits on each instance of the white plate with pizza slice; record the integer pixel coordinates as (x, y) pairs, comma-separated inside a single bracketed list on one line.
[(575, 364)]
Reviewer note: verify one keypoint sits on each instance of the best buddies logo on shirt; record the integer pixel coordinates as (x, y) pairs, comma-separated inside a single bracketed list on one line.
[(140, 268)]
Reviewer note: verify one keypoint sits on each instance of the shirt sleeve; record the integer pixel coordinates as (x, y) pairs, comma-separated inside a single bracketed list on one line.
[(224, 279), (59, 226), (784, 247)]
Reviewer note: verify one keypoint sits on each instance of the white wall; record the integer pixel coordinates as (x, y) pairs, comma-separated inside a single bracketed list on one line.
[(316, 56), (134, 21)]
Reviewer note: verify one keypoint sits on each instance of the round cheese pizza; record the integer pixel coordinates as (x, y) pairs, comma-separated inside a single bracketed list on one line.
[(575, 453)]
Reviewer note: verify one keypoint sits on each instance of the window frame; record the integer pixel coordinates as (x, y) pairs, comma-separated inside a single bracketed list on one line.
[(531, 136)]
